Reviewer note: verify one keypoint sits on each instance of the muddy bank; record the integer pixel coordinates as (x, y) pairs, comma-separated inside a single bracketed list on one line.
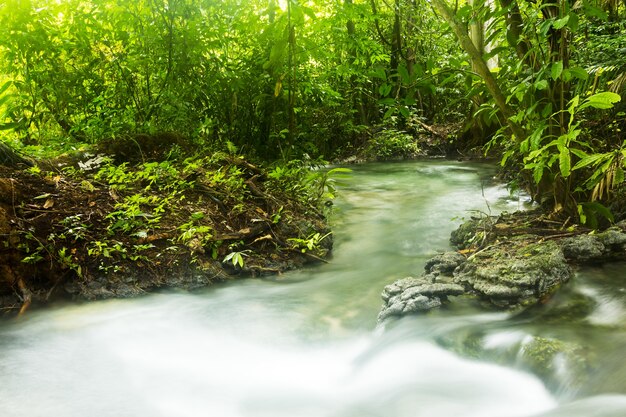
[(93, 229)]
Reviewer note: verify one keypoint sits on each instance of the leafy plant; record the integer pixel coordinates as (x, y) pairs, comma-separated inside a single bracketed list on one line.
[(236, 258), (391, 143), (309, 244)]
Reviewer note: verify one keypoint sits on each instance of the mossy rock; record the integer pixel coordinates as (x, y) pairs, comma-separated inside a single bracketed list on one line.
[(556, 362), (515, 274), (470, 233)]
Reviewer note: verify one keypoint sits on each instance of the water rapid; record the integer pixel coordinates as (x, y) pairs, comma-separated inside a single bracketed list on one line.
[(306, 343)]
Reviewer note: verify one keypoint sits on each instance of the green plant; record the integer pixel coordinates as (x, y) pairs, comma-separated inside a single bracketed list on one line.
[(74, 228), (392, 143), (310, 243), (231, 179), (236, 258), (67, 260), (568, 143), (106, 249), (323, 183), (556, 157), (35, 255)]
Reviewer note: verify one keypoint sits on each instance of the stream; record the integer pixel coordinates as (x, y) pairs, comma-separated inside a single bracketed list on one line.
[(306, 343)]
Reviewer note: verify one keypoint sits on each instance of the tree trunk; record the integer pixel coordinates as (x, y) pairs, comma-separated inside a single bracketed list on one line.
[(515, 25), (357, 102), (10, 158), (480, 66)]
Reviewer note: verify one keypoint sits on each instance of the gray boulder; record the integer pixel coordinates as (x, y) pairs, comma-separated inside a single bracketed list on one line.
[(582, 248), (600, 247), (506, 276)]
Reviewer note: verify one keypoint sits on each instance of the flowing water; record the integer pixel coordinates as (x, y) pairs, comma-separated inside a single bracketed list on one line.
[(306, 343)]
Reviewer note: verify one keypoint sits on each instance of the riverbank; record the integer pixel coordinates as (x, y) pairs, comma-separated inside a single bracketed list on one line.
[(93, 229)]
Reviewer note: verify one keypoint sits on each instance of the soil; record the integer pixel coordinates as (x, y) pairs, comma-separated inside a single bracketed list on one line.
[(66, 234)]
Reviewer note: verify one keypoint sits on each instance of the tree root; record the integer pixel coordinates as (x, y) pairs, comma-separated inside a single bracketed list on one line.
[(27, 296)]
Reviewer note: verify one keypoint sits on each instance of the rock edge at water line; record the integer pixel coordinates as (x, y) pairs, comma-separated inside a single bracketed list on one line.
[(506, 265)]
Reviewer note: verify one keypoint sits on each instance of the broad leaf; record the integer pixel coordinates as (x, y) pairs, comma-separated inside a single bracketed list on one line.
[(579, 72), (560, 23), (604, 100), (556, 70)]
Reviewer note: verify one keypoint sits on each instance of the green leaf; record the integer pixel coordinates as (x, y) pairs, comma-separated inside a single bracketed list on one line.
[(560, 23), (538, 173), (573, 104), (541, 84), (506, 156), (604, 100), (579, 72), (593, 11), (594, 159), (4, 99), (384, 89), (404, 74), (556, 70), (573, 22), (339, 170), (565, 162), (579, 153), (547, 111), (387, 102), (380, 74), (9, 126), (524, 146), (597, 208), (5, 86), (581, 214)]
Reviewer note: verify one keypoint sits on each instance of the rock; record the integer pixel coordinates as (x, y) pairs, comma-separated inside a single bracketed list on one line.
[(507, 276), (607, 245), (582, 248), (421, 303), (468, 232), (512, 267), (444, 263), (516, 274), (547, 358), (422, 294), (613, 236), (399, 305)]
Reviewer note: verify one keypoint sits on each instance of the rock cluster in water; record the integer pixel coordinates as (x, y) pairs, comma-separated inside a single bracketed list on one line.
[(506, 272)]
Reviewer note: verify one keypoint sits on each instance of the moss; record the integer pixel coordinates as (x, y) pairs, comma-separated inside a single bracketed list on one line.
[(556, 362)]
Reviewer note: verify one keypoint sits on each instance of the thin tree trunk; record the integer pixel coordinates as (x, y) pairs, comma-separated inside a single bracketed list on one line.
[(291, 101), (480, 66), (357, 103)]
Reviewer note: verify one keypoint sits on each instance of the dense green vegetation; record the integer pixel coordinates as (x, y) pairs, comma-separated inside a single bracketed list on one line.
[(538, 83)]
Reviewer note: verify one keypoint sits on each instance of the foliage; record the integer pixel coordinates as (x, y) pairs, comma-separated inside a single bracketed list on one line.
[(309, 244), (301, 80), (273, 79), (392, 143)]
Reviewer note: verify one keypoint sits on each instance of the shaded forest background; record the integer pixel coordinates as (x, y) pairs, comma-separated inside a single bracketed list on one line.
[(537, 83)]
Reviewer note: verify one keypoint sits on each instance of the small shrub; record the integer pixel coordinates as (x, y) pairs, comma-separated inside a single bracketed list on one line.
[(391, 143)]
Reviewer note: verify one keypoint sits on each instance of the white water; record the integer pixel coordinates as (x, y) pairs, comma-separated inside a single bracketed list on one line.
[(304, 344)]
